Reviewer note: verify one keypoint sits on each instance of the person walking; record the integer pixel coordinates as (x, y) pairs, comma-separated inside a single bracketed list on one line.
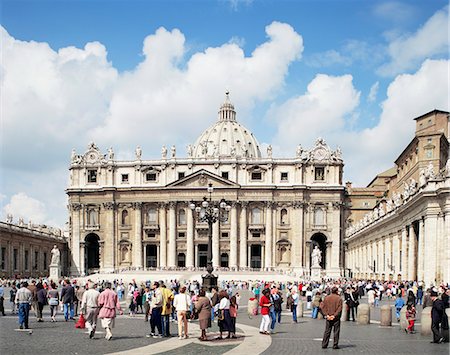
[(41, 296), (332, 309), (108, 303), (155, 311), (399, 304), (12, 298), (182, 303), (2, 299), (439, 320), (89, 307), (146, 299), (224, 314), (295, 299), (203, 308), (410, 317), (233, 314), (264, 303), (316, 304), (53, 300), (67, 298), (23, 300), (166, 310)]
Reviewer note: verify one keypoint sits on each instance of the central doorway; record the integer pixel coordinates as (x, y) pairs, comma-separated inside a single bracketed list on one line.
[(151, 254), (255, 256)]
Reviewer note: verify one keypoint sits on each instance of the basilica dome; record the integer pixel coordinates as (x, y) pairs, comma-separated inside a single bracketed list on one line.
[(226, 138)]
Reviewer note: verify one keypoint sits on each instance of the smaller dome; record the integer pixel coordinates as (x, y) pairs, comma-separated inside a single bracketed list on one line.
[(227, 138)]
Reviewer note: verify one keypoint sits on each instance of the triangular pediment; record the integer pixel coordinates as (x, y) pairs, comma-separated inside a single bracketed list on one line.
[(201, 179)]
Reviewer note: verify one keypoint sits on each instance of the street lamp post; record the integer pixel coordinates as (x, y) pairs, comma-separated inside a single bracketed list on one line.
[(210, 212)]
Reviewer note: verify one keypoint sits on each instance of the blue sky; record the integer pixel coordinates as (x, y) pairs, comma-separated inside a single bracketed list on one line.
[(343, 70)]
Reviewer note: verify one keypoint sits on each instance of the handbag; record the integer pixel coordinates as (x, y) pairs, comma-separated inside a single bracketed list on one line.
[(53, 302), (81, 324), (220, 315)]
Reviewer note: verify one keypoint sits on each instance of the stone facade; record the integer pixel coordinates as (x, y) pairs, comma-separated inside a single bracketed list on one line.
[(135, 214), (25, 250), (406, 234)]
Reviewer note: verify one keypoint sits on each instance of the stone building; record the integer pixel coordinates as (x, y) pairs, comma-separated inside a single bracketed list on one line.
[(25, 249), (405, 234), (135, 214)]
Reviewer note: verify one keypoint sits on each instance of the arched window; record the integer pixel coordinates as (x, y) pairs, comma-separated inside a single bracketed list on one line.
[(283, 217), (124, 217), (181, 217), (319, 217), (256, 216), (151, 215)]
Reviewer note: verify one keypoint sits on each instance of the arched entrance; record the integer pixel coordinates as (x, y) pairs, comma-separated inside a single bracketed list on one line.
[(92, 252), (320, 240)]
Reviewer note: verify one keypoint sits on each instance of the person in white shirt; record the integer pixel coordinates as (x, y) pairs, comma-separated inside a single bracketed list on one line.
[(182, 303), (89, 306)]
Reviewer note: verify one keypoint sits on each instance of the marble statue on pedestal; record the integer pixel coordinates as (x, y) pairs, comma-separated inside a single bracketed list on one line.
[(316, 256)]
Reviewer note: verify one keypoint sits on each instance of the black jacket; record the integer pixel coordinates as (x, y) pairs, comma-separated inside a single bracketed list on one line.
[(438, 314), (68, 294)]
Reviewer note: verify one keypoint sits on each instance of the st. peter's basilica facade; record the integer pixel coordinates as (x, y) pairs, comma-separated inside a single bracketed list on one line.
[(135, 214)]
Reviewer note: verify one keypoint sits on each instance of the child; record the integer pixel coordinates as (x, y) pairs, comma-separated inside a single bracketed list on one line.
[(410, 316), (399, 303)]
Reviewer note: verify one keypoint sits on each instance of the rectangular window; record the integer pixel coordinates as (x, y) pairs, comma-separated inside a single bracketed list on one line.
[(180, 175), (181, 235), (124, 178), (151, 235), (224, 235), (36, 260), (284, 176), (256, 235), (225, 174), (15, 258), (319, 174), (256, 176), (3, 261), (150, 177), (45, 261), (26, 257), (92, 176)]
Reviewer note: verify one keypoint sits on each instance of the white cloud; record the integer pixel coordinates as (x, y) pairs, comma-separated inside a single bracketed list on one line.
[(235, 4), (394, 11), (408, 51), (323, 109), (373, 92), (328, 58), (28, 208)]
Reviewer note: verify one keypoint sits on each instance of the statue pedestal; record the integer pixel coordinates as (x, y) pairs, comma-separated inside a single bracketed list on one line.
[(55, 272), (316, 272)]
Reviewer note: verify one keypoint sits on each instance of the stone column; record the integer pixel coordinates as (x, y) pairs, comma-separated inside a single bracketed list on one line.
[(446, 248), (404, 249), (388, 255), (82, 250), (243, 236), (296, 221), (215, 245), (430, 242), (233, 236), (412, 254), (190, 239), (172, 252), (335, 260), (110, 249), (420, 252), (269, 237), (162, 235), (137, 244), (396, 255), (77, 262)]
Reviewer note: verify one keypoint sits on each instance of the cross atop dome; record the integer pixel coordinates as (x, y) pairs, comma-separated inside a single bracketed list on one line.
[(227, 112)]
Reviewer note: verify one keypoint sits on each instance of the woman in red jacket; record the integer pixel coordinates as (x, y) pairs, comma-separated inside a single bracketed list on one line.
[(265, 304)]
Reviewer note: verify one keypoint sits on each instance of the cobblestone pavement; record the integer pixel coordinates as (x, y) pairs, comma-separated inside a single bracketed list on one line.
[(289, 338)]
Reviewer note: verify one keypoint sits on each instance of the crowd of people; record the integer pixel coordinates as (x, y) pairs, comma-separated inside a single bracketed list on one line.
[(164, 302)]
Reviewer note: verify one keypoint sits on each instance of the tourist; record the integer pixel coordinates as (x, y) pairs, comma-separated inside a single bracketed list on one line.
[(410, 317), (419, 295), (399, 304), (214, 301), (316, 304), (41, 296), (89, 307), (332, 308), (224, 314), (2, 299), (411, 298), (24, 297), (351, 300), (439, 319), (53, 300), (166, 310), (265, 304), (108, 303), (32, 288), (67, 298), (203, 308), (233, 314), (12, 298), (182, 303), (79, 291), (371, 297), (155, 311), (146, 299), (295, 299)]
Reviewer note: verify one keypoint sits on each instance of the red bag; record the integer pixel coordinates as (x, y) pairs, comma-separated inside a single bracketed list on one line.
[(81, 324)]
